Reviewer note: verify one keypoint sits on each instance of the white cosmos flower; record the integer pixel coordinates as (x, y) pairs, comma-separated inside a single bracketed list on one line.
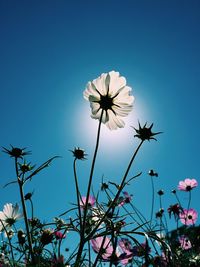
[(109, 94), (9, 215)]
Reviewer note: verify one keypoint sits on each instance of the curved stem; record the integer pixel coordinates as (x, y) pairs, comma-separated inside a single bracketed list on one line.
[(118, 192), (82, 241)]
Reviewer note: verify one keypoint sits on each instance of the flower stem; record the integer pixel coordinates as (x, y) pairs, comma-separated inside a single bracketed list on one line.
[(118, 192), (9, 241), (189, 201), (77, 193), (20, 183), (82, 241), (152, 202)]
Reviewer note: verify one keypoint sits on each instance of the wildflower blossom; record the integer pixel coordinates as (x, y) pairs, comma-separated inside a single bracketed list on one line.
[(46, 236), (153, 173), (187, 184), (145, 133), (28, 196), (127, 251), (188, 217), (59, 235), (79, 153), (159, 213), (126, 199), (91, 201), (9, 215), (106, 248), (141, 249), (123, 252), (58, 261), (185, 242), (110, 97), (26, 167), (21, 237), (160, 192), (175, 210), (16, 152)]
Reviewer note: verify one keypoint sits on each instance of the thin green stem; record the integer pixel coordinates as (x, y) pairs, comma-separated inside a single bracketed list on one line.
[(77, 193), (118, 192), (189, 200), (152, 202), (20, 183), (9, 241), (82, 239)]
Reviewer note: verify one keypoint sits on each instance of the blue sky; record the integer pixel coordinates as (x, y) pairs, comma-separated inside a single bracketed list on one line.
[(49, 50)]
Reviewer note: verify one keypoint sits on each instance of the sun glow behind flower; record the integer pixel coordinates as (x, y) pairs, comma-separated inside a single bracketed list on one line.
[(110, 141)]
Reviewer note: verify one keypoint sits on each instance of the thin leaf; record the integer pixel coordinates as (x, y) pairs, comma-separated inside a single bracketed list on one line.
[(13, 182), (41, 167)]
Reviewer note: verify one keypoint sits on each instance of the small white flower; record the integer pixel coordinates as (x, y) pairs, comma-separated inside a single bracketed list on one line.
[(9, 215), (109, 94)]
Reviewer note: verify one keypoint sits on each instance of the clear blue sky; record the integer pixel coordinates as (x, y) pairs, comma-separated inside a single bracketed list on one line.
[(49, 50)]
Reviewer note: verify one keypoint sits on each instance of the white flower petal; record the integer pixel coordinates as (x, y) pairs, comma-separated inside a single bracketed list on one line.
[(124, 97), (114, 121), (121, 94), (90, 90), (95, 107), (101, 84), (122, 111), (116, 82)]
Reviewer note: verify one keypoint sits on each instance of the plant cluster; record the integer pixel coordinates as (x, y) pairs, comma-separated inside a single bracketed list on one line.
[(110, 229)]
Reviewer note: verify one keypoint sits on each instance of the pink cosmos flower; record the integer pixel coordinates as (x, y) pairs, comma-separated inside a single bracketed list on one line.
[(126, 199), (59, 235), (91, 201), (57, 261), (175, 210), (141, 249), (127, 250), (107, 248), (185, 243), (187, 184), (188, 217), (123, 253)]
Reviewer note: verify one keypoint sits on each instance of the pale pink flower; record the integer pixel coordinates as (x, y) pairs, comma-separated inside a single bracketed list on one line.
[(59, 235), (185, 243), (107, 248), (127, 251), (188, 217), (187, 184), (91, 201), (126, 199)]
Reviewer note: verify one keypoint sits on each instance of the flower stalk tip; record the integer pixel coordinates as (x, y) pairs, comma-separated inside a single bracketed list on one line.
[(145, 133)]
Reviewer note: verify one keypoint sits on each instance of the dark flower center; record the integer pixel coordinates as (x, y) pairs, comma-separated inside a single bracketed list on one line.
[(188, 187), (127, 200), (10, 221), (25, 168), (106, 102), (190, 217)]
